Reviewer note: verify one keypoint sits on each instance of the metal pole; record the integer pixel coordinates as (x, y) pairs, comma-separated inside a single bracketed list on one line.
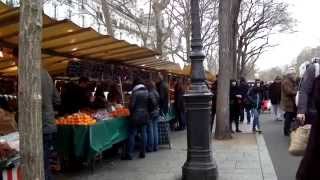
[(200, 164)]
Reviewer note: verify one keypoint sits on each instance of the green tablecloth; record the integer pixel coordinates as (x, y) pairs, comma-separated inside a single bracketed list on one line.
[(85, 142)]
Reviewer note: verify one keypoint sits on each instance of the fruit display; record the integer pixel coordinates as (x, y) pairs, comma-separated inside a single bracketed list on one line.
[(6, 151), (121, 112), (102, 115), (81, 119)]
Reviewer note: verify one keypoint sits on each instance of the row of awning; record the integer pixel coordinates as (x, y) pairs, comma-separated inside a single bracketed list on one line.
[(64, 41)]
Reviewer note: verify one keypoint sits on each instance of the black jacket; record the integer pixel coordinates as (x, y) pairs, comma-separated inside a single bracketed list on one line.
[(139, 105), (163, 90), (154, 100), (255, 96), (275, 93)]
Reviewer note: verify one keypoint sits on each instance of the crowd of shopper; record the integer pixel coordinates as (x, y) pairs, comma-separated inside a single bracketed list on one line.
[(148, 103), (294, 97)]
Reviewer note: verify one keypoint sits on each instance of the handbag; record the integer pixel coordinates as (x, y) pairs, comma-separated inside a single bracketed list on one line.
[(299, 140)]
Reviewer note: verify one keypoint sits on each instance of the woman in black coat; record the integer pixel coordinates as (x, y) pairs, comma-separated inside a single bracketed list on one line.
[(179, 105)]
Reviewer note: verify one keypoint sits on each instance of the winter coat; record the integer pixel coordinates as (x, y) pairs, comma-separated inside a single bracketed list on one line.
[(154, 100), (288, 93), (275, 93), (214, 90), (139, 105), (50, 99), (234, 91), (306, 104), (179, 100), (255, 97), (163, 90)]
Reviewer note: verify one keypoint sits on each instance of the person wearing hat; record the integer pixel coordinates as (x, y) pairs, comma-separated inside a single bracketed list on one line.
[(288, 93), (275, 97)]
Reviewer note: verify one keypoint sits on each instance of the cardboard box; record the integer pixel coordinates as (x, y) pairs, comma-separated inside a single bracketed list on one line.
[(7, 122)]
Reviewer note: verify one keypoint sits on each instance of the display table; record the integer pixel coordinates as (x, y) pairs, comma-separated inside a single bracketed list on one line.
[(85, 142), (11, 174)]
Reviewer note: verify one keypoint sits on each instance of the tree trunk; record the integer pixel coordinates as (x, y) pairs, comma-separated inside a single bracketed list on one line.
[(159, 33), (30, 121), (107, 17), (228, 14)]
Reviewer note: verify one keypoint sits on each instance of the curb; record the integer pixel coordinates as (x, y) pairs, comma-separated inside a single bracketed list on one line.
[(267, 168)]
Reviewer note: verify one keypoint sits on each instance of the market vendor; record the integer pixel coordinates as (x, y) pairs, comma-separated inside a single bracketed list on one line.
[(114, 96), (76, 96), (99, 99)]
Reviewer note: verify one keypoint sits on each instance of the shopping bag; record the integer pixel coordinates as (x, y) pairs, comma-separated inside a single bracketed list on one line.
[(299, 140)]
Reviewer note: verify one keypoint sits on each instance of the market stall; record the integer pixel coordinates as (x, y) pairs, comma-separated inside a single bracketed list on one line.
[(71, 51)]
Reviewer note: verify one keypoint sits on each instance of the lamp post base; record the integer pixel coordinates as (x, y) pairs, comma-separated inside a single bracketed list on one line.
[(200, 164), (199, 171)]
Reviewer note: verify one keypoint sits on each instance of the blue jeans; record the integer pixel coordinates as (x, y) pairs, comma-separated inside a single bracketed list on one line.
[(256, 121), (248, 111), (152, 134), (132, 132)]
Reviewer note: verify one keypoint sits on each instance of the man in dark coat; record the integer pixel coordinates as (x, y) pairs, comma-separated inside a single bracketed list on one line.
[(243, 90), (139, 117), (163, 90), (288, 93), (214, 90), (50, 99), (235, 101), (275, 97)]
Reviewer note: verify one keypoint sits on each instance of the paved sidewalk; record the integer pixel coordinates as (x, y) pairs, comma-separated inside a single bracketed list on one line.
[(243, 157)]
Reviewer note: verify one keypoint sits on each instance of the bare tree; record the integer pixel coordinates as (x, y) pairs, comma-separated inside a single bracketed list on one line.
[(30, 121), (179, 11), (228, 15), (258, 20)]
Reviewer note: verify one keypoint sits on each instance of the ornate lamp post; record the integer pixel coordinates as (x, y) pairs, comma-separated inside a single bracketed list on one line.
[(200, 164)]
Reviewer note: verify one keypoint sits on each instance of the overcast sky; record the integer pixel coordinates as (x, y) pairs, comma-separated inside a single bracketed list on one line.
[(290, 45), (307, 13)]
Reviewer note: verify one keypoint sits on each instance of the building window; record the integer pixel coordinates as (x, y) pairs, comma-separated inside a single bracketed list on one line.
[(69, 13), (82, 20), (114, 22), (82, 4)]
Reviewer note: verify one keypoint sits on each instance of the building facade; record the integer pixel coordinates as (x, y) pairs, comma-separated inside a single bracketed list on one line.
[(127, 22)]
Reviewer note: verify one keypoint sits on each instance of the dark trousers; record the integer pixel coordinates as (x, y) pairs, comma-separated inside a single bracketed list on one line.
[(241, 114), (132, 132), (47, 145), (248, 111), (181, 118), (234, 116), (213, 114), (289, 117)]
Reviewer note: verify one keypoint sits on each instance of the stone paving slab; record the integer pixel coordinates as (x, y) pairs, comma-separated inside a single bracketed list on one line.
[(243, 157)]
